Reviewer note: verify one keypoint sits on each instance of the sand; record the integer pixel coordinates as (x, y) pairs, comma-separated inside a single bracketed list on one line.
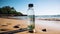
[(9, 23)]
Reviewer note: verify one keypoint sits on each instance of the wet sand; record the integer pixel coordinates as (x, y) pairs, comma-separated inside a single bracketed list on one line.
[(52, 28)]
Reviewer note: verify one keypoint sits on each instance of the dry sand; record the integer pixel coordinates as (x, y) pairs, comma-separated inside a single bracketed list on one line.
[(22, 24), (10, 23)]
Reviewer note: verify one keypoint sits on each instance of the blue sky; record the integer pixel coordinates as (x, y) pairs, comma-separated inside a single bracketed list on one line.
[(41, 7)]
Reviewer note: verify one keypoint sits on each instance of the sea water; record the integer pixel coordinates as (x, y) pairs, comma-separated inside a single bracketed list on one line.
[(43, 16)]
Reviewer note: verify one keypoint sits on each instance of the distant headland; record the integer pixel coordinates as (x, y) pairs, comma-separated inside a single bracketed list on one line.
[(9, 11)]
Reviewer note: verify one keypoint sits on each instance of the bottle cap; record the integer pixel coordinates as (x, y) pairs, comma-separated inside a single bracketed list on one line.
[(30, 5)]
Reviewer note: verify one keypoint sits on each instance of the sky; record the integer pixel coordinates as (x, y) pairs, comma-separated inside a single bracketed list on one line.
[(41, 7)]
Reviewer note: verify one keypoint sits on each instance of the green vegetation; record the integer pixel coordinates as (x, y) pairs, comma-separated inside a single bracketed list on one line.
[(9, 11), (31, 27)]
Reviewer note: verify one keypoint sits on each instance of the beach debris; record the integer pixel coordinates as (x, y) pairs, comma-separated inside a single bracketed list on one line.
[(4, 25), (4, 29), (44, 30), (31, 31), (31, 18), (14, 31), (16, 26)]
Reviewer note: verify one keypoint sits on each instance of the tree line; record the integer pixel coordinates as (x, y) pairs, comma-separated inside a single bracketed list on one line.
[(9, 11)]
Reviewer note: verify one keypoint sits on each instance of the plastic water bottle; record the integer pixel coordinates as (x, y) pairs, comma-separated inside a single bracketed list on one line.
[(31, 18)]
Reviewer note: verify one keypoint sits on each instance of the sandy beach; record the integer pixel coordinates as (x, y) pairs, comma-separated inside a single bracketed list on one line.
[(9, 24)]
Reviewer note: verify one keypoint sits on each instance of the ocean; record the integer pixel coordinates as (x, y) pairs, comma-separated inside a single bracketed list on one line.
[(42, 16)]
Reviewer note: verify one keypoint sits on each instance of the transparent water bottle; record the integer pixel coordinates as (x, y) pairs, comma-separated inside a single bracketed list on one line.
[(31, 18)]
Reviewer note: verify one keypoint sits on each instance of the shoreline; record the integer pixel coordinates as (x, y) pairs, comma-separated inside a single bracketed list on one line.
[(49, 19)]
